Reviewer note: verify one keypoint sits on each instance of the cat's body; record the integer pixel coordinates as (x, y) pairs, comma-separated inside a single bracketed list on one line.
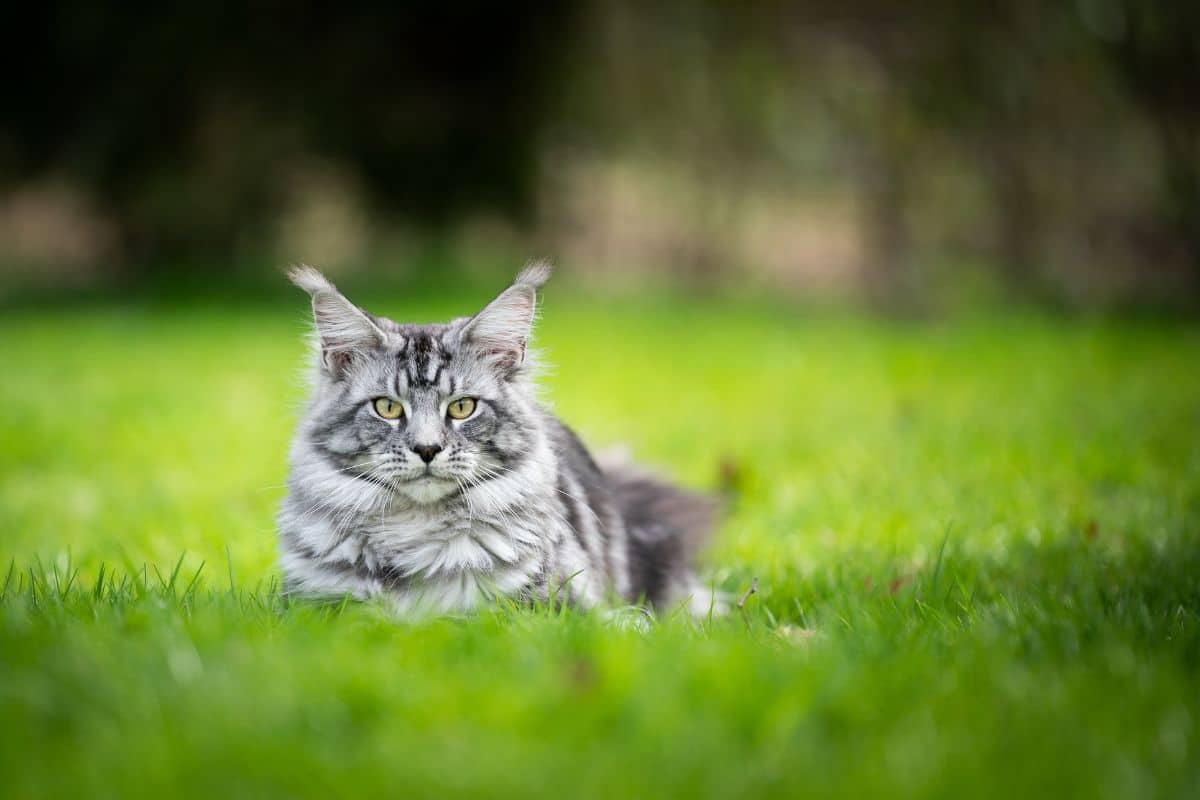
[(473, 490)]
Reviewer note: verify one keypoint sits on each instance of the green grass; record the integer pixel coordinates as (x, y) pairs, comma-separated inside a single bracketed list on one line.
[(977, 546)]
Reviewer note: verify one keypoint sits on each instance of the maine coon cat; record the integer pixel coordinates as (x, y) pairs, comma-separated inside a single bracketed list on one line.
[(425, 472)]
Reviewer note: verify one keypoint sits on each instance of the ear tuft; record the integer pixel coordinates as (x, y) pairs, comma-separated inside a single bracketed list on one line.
[(535, 274), (310, 279)]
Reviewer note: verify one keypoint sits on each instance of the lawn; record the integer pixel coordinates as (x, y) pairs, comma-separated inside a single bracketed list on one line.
[(977, 546)]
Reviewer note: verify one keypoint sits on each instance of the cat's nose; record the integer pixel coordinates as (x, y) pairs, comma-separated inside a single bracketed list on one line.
[(427, 451)]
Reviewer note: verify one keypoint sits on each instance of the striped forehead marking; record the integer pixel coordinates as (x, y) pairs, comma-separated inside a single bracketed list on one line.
[(423, 360)]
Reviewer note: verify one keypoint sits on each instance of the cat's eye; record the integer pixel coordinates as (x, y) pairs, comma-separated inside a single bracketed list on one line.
[(388, 408), (461, 408)]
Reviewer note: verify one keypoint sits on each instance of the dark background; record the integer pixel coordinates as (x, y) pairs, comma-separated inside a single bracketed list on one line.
[(931, 155)]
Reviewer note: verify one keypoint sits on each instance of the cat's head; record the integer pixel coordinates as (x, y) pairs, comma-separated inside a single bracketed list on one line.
[(424, 412)]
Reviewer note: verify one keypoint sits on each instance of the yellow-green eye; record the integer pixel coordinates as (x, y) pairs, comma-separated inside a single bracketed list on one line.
[(461, 408), (388, 408)]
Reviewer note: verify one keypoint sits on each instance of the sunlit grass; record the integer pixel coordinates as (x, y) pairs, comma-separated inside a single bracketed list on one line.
[(976, 547)]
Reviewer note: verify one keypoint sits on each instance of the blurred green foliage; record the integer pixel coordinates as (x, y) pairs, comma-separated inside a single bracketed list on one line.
[(976, 546)]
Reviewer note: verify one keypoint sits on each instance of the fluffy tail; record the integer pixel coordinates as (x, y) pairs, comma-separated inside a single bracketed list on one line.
[(666, 526)]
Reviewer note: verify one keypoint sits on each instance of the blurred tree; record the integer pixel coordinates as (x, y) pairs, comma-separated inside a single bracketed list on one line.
[(1003, 135), (1059, 145)]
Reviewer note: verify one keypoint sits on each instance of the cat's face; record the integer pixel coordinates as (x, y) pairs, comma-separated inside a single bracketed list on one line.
[(422, 411)]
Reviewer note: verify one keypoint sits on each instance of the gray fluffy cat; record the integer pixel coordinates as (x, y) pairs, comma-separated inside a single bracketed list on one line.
[(426, 473)]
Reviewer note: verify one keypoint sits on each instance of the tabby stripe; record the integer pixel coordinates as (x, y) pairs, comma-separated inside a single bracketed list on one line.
[(584, 520), (597, 505), (320, 433), (568, 503)]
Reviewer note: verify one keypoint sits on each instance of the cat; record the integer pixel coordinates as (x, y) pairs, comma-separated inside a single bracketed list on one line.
[(426, 473)]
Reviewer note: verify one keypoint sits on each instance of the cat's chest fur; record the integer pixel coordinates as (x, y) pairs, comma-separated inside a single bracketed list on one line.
[(430, 546), (433, 560)]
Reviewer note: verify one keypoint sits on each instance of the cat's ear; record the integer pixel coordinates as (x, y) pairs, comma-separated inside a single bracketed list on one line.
[(343, 327), (502, 330)]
